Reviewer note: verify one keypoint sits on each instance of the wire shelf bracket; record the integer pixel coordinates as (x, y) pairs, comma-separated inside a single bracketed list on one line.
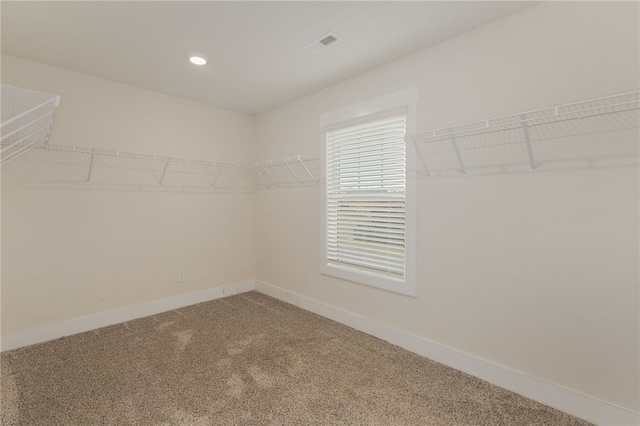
[(457, 151), (275, 173), (527, 139)]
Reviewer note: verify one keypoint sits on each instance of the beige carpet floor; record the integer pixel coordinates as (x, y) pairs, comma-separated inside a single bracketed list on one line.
[(246, 360)]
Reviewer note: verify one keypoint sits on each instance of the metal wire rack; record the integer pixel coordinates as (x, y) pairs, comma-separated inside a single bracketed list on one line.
[(590, 129), (595, 130), (277, 173), (27, 120), (100, 166)]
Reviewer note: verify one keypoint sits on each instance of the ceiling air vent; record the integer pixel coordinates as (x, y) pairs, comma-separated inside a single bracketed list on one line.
[(321, 42)]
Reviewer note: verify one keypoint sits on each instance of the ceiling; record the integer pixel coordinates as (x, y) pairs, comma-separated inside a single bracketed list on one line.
[(255, 50)]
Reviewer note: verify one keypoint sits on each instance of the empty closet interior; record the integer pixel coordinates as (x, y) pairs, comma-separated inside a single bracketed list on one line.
[(119, 201)]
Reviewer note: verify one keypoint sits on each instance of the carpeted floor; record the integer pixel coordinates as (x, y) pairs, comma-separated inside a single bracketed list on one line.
[(246, 360)]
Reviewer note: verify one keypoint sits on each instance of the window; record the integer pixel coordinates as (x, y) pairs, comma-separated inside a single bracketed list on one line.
[(369, 207)]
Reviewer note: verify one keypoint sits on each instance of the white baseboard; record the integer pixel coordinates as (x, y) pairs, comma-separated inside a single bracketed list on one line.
[(569, 401), (78, 325)]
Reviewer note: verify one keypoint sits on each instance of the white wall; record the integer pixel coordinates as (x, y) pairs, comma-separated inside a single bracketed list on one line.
[(71, 250), (537, 273)]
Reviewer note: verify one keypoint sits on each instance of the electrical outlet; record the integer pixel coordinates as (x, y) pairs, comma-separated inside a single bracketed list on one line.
[(181, 276)]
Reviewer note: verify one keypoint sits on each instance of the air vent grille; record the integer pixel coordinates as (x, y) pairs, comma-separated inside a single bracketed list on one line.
[(321, 42), (328, 40)]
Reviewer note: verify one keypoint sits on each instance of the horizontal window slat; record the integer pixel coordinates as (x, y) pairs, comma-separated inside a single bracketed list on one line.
[(386, 157), (387, 260), (365, 241), (397, 269), (363, 269), (366, 175), (359, 217), (366, 215), (367, 212), (376, 131), (389, 233), (355, 225), (369, 192), (366, 186), (351, 225), (352, 183), (370, 144), (397, 149), (360, 241), (391, 196), (364, 200), (368, 178), (391, 238), (359, 220), (389, 183), (369, 248), (361, 203), (353, 205), (367, 170), (348, 204)]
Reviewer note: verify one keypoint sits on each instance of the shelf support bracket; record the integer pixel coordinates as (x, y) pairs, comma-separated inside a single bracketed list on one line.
[(260, 175), (164, 171), (527, 139), (293, 172), (421, 157), (306, 169), (215, 178), (93, 154), (270, 175), (455, 148)]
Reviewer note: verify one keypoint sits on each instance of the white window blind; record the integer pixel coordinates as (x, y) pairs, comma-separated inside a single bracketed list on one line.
[(366, 197)]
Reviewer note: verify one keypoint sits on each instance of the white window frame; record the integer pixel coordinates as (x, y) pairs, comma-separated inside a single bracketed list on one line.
[(405, 100)]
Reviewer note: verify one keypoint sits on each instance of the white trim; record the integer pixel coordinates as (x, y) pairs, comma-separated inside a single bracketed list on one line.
[(79, 325), (403, 97), (407, 100), (567, 400)]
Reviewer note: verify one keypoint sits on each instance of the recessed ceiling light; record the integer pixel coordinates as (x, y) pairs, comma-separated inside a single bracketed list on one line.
[(197, 60)]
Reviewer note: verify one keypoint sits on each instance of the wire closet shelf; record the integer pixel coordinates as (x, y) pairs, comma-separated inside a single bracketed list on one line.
[(27, 120), (530, 130), (179, 173)]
